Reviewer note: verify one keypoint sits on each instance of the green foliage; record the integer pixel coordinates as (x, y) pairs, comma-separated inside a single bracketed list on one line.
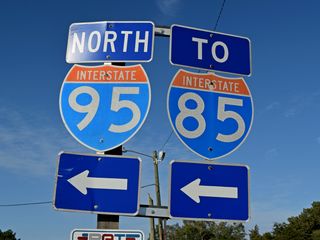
[(199, 230), (315, 235), (267, 236), (301, 227), (255, 234), (171, 231), (305, 226), (8, 235)]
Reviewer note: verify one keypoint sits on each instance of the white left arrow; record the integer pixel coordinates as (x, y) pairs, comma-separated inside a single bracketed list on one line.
[(82, 182), (194, 190)]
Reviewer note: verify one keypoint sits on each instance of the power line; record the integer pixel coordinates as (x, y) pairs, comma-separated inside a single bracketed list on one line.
[(221, 9), (215, 27), (143, 154), (165, 143), (24, 204), (45, 202), (149, 185)]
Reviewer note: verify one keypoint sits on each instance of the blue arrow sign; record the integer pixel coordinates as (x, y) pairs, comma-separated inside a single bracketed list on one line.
[(104, 106), (98, 183), (192, 47), (203, 191), (210, 114), (110, 42)]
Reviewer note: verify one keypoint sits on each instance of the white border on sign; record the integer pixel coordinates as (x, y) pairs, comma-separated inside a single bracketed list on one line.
[(98, 156), (107, 22), (177, 134), (211, 70), (209, 219), (134, 133)]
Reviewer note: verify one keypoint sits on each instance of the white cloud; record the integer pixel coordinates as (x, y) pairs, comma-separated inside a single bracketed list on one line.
[(271, 154), (296, 105), (168, 7), (273, 204), (291, 112), (266, 218), (272, 106), (29, 144), (299, 103)]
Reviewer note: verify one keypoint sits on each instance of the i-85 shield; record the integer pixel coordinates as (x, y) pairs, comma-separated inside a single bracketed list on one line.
[(210, 114)]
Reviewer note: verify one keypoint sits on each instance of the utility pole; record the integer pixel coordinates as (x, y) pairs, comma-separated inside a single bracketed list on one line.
[(155, 158), (152, 230)]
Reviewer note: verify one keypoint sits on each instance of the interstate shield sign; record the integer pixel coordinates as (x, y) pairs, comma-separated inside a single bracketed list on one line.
[(210, 114), (104, 106)]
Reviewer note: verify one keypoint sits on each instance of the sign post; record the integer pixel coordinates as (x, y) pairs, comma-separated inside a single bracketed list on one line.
[(105, 221), (110, 221)]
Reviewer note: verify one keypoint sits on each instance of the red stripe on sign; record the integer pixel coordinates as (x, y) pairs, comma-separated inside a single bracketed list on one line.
[(106, 73), (210, 82)]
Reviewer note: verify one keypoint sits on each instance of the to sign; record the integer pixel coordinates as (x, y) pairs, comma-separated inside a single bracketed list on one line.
[(98, 184), (104, 106), (205, 191), (192, 47), (110, 41), (211, 115), (97, 234)]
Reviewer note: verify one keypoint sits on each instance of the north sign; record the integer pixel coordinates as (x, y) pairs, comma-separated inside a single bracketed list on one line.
[(110, 42), (210, 114), (202, 191), (97, 184), (197, 48), (103, 106)]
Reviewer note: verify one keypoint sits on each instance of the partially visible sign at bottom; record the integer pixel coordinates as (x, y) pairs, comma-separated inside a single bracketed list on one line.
[(96, 234)]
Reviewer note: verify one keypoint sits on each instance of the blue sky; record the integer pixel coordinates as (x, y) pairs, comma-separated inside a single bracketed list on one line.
[(282, 148)]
